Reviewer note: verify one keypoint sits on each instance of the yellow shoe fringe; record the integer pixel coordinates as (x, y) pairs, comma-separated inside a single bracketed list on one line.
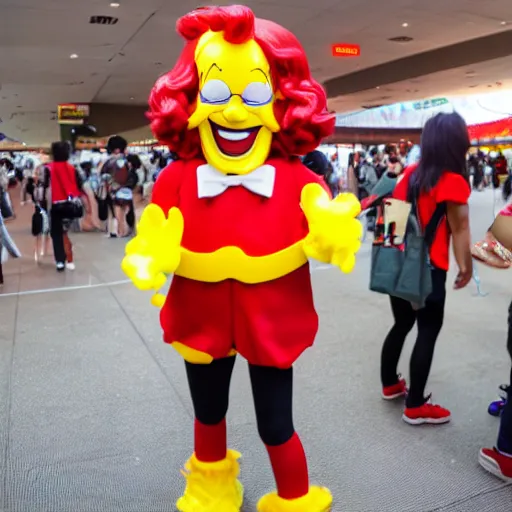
[(212, 486), (318, 499)]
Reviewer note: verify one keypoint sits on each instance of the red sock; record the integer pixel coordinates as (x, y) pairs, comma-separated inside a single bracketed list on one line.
[(290, 468), (210, 441)]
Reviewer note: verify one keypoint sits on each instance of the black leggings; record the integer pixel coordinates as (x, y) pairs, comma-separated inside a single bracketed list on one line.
[(57, 234), (272, 391), (505, 434), (130, 216), (430, 322)]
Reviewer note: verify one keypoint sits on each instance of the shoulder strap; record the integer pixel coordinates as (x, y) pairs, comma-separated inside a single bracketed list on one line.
[(434, 222), (430, 230)]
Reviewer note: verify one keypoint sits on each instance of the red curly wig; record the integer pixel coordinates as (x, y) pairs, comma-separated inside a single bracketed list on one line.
[(301, 110)]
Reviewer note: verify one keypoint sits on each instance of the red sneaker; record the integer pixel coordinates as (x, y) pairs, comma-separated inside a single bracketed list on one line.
[(396, 391), (427, 413), (496, 463)]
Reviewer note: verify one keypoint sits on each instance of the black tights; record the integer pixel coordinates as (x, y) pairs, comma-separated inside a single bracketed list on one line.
[(272, 390), (57, 233), (430, 322), (505, 434)]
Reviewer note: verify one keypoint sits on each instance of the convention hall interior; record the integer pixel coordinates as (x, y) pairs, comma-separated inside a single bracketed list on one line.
[(136, 234)]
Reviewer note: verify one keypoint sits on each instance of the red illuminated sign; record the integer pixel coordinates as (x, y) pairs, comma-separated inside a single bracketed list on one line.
[(346, 50)]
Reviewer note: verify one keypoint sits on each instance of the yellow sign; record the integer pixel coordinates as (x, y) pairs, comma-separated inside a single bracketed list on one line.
[(91, 142), (73, 113)]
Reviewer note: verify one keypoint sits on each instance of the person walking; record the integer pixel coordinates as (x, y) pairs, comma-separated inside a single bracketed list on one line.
[(7, 248), (63, 188), (122, 180), (440, 178), (498, 460), (496, 251)]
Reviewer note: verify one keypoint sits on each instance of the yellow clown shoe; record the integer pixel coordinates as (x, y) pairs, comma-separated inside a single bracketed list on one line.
[(318, 499), (212, 486)]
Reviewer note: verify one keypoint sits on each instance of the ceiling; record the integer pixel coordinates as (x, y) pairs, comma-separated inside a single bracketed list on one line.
[(119, 63), (485, 77)]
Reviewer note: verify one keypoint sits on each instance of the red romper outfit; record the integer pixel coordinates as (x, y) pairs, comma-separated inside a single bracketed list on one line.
[(269, 323)]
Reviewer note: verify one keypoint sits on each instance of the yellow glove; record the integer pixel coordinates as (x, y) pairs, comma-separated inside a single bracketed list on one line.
[(155, 251), (334, 231)]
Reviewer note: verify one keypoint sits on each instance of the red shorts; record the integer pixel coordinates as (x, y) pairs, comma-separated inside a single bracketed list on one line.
[(270, 324)]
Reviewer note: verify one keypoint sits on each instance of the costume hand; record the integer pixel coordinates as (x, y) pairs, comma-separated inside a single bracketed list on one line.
[(334, 232), (156, 250)]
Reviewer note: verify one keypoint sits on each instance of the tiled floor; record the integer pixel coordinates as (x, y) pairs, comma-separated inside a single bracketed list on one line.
[(95, 414)]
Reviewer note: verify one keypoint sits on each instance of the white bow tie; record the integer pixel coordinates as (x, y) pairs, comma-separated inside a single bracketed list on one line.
[(212, 183)]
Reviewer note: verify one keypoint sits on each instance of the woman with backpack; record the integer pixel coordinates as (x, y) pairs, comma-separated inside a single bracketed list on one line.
[(440, 178), (122, 181)]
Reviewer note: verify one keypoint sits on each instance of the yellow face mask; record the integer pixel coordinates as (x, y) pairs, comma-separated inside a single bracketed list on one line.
[(235, 104)]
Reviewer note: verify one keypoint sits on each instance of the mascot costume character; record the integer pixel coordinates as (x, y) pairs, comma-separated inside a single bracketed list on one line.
[(235, 220)]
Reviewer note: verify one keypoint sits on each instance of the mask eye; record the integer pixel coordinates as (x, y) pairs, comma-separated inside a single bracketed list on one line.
[(257, 94), (215, 92)]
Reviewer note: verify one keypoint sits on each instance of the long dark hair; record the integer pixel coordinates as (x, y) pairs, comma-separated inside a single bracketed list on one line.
[(61, 151), (444, 145), (116, 142)]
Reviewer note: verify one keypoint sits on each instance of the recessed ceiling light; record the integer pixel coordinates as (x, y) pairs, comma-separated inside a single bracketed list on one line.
[(503, 23), (401, 39), (73, 56), (115, 5), (405, 25), (132, 98), (378, 87)]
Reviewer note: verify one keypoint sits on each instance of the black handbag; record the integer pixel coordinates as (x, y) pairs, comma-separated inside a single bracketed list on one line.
[(72, 208)]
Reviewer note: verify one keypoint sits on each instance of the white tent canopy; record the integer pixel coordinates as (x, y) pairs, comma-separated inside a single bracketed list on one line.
[(475, 109)]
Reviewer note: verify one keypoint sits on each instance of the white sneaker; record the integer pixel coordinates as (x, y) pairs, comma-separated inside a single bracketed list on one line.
[(60, 267), (70, 266)]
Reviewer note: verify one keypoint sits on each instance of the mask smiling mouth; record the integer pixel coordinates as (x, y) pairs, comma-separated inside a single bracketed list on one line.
[(234, 142)]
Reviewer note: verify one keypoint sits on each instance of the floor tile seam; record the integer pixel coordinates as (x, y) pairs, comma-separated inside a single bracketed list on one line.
[(151, 354), (9, 408), (72, 288), (66, 463), (467, 499)]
